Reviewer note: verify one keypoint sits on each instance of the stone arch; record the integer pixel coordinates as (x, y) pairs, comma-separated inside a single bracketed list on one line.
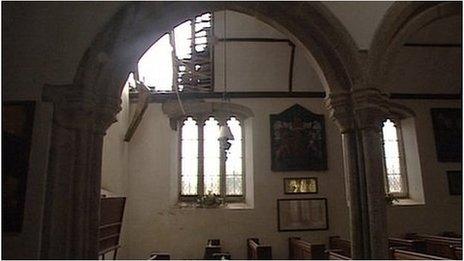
[(400, 21), (116, 50), (85, 109)]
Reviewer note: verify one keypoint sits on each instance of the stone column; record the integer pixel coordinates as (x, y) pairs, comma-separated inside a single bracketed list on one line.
[(341, 111), (370, 109), (71, 214)]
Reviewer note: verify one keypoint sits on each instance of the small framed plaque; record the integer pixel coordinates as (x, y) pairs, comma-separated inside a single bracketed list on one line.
[(300, 185)]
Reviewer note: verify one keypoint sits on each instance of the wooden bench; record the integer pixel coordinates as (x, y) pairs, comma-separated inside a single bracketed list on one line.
[(111, 213), (339, 246), (159, 256), (302, 250), (400, 254), (257, 251), (213, 246), (457, 252), (415, 245), (440, 246), (335, 254)]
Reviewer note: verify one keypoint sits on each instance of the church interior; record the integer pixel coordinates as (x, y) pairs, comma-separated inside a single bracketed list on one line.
[(232, 130)]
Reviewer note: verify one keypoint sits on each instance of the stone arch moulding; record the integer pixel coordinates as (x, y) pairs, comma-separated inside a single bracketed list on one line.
[(400, 21), (136, 26)]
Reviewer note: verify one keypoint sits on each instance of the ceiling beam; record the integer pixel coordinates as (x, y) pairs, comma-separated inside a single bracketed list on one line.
[(142, 104)]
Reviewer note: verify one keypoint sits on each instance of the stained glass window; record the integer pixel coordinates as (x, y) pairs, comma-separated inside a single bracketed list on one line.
[(393, 158)]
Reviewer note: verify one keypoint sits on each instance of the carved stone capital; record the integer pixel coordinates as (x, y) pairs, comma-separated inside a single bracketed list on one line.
[(75, 108), (371, 107), (341, 111)]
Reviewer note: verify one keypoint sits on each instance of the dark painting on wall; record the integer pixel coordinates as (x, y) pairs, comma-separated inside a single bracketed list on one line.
[(447, 127), (17, 123), (298, 140), (454, 182)]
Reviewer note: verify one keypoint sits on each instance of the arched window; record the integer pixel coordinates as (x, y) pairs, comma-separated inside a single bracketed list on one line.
[(208, 164), (394, 160), (180, 59)]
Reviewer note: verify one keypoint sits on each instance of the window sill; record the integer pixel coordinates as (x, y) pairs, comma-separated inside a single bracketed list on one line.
[(228, 206), (408, 202)]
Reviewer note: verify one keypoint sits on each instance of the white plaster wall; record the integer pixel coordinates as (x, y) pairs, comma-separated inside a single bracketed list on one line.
[(426, 70), (258, 66), (115, 158), (156, 224)]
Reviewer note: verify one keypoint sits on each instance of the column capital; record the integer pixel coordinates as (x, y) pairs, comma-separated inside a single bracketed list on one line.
[(341, 110), (371, 107), (76, 108)]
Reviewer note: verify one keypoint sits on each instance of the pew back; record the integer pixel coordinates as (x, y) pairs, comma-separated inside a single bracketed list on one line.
[(440, 245), (416, 245), (335, 254), (335, 242), (257, 251), (399, 254), (302, 250)]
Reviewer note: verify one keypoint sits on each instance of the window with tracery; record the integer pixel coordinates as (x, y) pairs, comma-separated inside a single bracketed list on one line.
[(394, 161), (207, 165)]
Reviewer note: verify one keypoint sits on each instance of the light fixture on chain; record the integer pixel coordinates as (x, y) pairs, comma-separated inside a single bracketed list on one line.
[(225, 134)]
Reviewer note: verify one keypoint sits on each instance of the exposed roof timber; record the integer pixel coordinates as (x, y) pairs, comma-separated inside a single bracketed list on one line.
[(445, 45), (162, 97)]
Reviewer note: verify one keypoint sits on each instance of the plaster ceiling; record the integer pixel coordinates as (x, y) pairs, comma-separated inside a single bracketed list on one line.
[(361, 19)]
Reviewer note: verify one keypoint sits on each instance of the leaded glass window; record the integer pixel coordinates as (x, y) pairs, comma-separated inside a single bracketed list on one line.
[(206, 166), (189, 157), (394, 162)]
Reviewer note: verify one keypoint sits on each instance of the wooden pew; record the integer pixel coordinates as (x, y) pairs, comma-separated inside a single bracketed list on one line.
[(302, 250), (339, 246), (450, 234), (335, 254), (111, 213), (400, 254), (440, 246), (213, 246), (415, 245), (257, 251), (457, 252), (159, 256)]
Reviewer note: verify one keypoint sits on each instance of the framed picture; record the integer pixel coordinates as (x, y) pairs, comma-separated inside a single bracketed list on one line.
[(298, 140), (447, 127), (17, 123), (300, 185), (302, 214), (454, 182)]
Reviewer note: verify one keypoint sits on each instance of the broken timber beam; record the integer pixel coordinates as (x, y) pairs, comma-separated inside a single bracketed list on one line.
[(142, 104)]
